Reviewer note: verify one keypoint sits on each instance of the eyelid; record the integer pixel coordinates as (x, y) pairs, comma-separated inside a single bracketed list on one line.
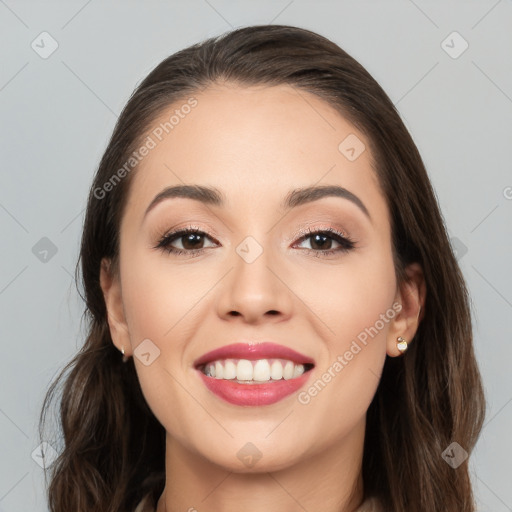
[(186, 226), (181, 231), (311, 227)]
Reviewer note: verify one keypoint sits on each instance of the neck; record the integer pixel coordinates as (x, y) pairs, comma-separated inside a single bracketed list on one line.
[(330, 481)]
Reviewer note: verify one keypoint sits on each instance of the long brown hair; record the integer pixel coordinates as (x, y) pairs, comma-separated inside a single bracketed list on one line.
[(112, 446)]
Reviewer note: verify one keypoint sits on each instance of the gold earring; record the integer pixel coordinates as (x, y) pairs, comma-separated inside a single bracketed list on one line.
[(125, 358), (401, 345)]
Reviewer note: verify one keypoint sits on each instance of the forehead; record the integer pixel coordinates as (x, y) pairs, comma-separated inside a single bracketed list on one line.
[(256, 141)]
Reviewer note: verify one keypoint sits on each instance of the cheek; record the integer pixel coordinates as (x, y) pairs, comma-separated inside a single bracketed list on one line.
[(159, 307), (351, 297), (157, 295), (352, 301), (162, 302)]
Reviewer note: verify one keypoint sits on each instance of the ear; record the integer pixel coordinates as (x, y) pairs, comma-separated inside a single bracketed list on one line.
[(411, 294), (111, 287)]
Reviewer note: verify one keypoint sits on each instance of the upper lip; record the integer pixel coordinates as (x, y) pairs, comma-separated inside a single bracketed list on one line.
[(254, 351)]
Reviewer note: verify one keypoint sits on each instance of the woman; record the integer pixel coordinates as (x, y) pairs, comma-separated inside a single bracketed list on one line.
[(263, 246)]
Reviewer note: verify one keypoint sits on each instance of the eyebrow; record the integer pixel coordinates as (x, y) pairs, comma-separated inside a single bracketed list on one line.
[(296, 197)]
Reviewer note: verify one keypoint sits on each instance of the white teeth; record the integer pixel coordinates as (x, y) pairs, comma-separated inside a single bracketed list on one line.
[(298, 370), (252, 372), (288, 371), (219, 370), (261, 371), (244, 370), (276, 370), (229, 370)]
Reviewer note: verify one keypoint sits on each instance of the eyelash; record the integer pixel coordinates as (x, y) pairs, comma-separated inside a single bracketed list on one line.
[(346, 243)]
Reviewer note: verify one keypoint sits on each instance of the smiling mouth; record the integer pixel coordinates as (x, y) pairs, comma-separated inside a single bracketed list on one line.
[(260, 371)]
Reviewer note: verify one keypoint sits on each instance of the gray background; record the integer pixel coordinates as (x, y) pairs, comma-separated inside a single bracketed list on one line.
[(57, 115)]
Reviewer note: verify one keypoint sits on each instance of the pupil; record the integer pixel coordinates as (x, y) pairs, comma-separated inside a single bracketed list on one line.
[(189, 239), (322, 242)]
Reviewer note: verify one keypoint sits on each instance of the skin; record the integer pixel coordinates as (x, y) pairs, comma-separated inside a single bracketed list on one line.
[(255, 145)]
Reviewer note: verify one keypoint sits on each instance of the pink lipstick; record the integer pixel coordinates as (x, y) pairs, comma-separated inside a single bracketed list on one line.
[(254, 374)]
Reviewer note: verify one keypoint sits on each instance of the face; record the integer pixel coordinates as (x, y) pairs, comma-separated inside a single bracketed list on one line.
[(315, 275)]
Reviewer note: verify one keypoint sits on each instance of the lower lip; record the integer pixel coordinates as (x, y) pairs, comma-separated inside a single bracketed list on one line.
[(254, 394)]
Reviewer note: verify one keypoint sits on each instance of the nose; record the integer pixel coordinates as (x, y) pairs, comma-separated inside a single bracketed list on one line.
[(255, 292)]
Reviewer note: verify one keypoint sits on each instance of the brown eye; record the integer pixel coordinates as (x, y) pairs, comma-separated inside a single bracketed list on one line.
[(191, 241), (321, 241), (184, 241)]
